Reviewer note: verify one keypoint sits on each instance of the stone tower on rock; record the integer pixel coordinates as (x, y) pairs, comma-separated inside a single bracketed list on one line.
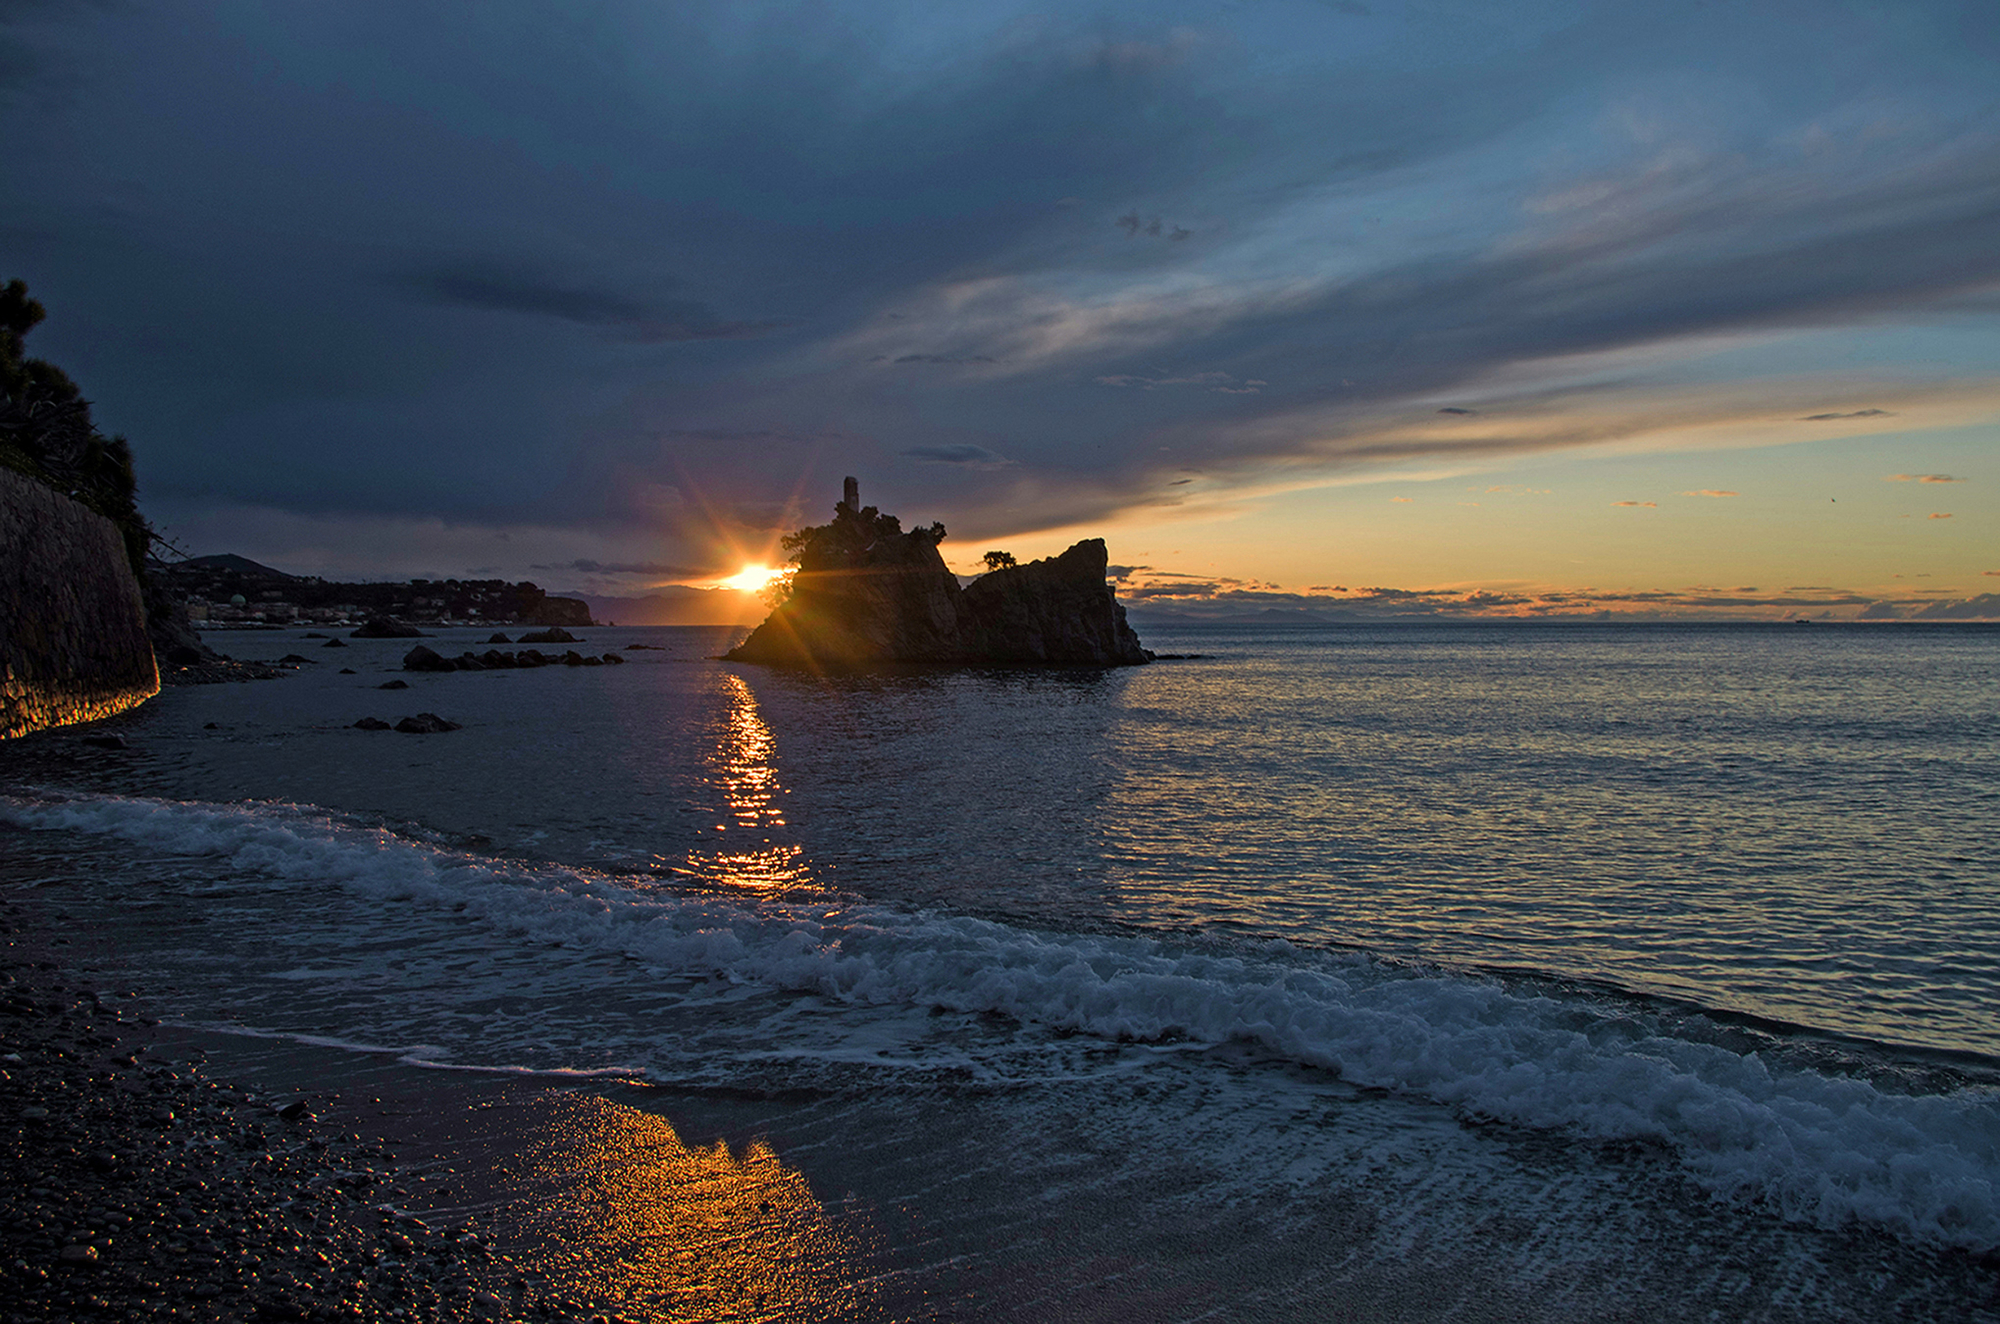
[(867, 593)]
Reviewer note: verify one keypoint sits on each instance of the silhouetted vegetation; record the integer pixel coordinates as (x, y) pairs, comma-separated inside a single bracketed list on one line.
[(999, 560), (46, 431), (840, 542)]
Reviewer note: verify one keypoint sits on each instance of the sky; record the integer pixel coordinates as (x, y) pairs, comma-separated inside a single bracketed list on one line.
[(1388, 307)]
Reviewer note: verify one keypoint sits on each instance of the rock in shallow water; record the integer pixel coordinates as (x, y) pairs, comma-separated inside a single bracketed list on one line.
[(867, 593), (425, 724)]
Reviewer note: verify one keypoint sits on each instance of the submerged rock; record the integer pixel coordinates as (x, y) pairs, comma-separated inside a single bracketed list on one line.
[(426, 724), (381, 627), (868, 593), (422, 658)]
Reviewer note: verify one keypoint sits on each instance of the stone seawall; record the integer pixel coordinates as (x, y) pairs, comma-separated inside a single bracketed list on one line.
[(73, 643)]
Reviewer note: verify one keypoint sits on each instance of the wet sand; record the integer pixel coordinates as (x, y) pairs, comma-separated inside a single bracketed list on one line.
[(158, 1172)]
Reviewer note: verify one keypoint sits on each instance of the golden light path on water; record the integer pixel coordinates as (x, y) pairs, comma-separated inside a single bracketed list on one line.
[(674, 1231), (743, 766)]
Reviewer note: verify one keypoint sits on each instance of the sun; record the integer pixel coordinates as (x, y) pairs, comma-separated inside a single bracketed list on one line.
[(750, 578)]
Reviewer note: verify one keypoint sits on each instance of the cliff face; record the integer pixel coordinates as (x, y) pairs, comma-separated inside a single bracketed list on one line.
[(1054, 610), (868, 593), (73, 643)]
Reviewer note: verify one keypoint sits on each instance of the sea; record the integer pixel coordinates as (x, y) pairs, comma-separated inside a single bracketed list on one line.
[(1400, 971)]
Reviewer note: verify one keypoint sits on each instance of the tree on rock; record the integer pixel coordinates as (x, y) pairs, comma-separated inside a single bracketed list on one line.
[(999, 560), (46, 432)]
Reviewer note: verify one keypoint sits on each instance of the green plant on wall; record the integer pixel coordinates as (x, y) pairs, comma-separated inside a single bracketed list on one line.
[(46, 431)]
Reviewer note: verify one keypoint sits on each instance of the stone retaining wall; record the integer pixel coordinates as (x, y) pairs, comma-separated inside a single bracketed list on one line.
[(73, 643)]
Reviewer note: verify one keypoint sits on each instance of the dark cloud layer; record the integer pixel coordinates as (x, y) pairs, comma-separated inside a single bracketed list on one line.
[(649, 569), (499, 288), (681, 267)]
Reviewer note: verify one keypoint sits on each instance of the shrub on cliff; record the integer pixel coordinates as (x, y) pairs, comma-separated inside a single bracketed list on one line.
[(845, 540), (46, 432)]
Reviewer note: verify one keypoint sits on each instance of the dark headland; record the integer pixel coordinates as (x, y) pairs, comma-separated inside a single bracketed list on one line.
[(867, 593)]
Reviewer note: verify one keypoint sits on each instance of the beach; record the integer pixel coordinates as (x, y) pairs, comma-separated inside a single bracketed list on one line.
[(653, 978)]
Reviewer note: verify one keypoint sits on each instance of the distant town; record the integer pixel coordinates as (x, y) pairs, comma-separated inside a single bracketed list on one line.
[(234, 592)]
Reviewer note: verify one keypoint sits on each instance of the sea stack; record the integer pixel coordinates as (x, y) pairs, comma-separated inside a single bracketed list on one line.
[(868, 593)]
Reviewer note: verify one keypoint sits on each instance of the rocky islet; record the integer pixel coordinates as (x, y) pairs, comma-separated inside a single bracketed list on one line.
[(868, 593)]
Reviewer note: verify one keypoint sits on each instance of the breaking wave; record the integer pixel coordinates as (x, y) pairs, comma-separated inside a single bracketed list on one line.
[(1818, 1147)]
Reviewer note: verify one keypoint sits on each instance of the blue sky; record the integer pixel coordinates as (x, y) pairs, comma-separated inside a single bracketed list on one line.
[(1387, 296)]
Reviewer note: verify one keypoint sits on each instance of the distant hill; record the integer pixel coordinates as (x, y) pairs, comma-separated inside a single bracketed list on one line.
[(232, 564), (226, 589), (677, 604)]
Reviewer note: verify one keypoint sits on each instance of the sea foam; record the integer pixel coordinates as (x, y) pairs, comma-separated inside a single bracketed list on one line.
[(1818, 1147)]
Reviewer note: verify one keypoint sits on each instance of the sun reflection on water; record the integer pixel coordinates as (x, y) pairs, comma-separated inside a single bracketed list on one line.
[(655, 1226), (743, 766)]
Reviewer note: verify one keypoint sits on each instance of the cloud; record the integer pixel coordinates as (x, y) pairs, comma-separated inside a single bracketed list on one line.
[(1936, 514), (1401, 501), (1984, 607), (1140, 55), (1220, 382), (651, 569), (1711, 492), (1151, 227), (1649, 505), (1226, 599), (1859, 413), (977, 457), (521, 289), (1488, 223), (1922, 478), (760, 436)]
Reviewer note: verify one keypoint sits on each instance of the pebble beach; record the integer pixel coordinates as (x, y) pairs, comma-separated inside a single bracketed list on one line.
[(142, 1186)]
